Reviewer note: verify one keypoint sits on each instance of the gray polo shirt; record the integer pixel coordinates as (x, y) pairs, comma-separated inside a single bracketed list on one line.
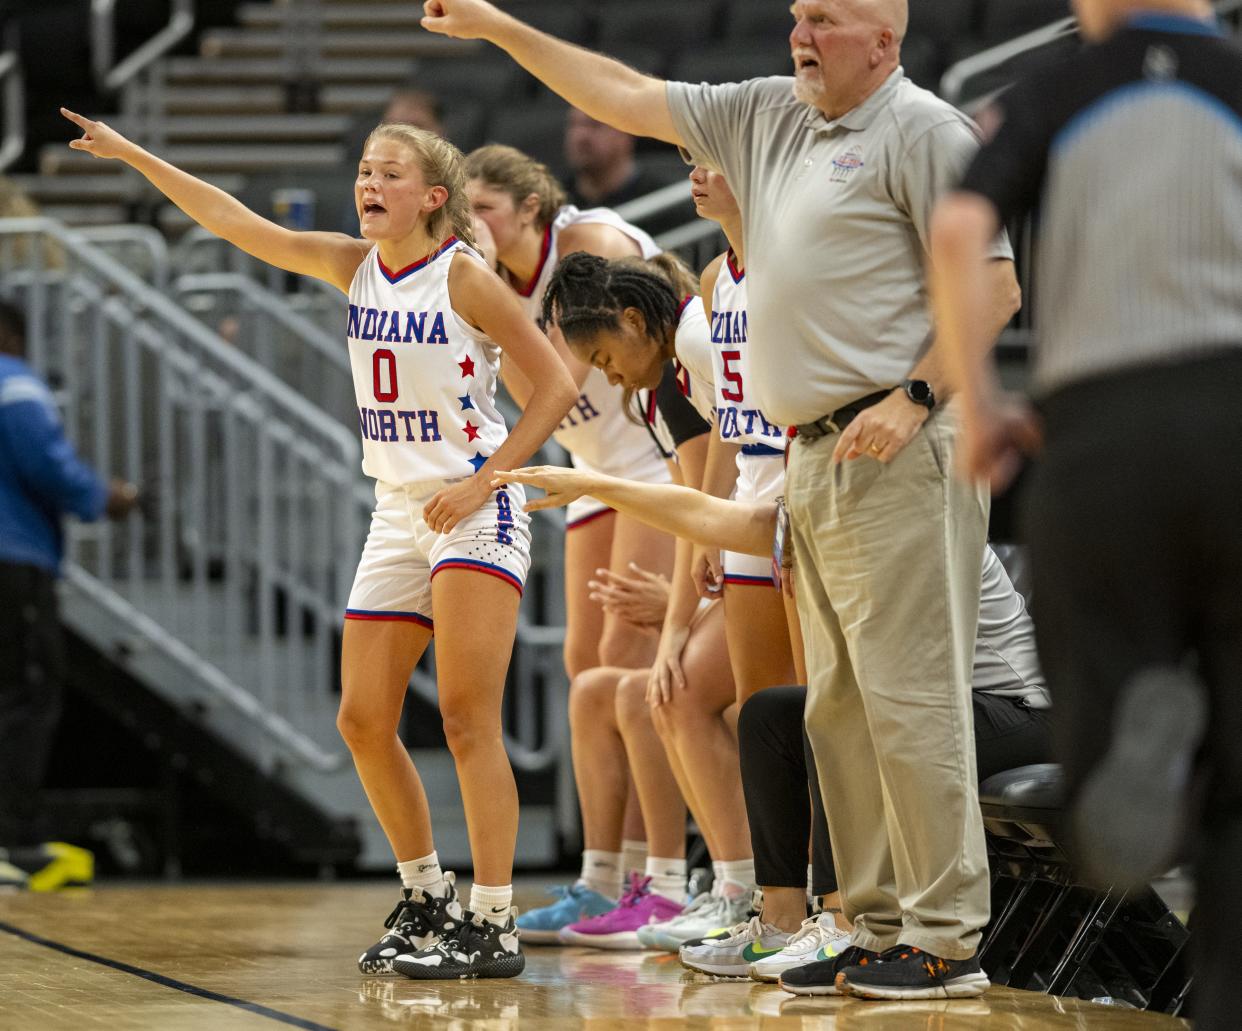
[(836, 220)]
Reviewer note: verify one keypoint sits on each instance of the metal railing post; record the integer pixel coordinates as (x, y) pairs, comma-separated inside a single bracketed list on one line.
[(14, 140)]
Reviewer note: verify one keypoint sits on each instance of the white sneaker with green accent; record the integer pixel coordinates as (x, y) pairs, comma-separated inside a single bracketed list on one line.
[(695, 905), (718, 913), (817, 939), (732, 956)]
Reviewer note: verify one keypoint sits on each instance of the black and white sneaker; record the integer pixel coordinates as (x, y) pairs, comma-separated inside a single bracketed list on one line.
[(418, 921), (821, 977), (905, 972), (476, 948)]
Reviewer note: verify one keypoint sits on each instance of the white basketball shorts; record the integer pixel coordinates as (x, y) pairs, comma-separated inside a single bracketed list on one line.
[(760, 477), (402, 554)]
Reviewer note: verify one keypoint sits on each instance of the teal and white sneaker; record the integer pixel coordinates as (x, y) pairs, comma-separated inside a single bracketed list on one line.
[(701, 919), (573, 903), (818, 939), (733, 955)]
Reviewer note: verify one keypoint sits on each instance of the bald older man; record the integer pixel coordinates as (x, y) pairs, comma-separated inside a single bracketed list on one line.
[(836, 171)]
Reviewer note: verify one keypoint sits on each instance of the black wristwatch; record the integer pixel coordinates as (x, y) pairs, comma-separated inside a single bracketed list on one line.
[(920, 392)]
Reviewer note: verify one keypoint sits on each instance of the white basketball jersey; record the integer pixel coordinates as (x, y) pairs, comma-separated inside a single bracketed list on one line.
[(596, 432), (693, 345), (424, 379), (738, 420)]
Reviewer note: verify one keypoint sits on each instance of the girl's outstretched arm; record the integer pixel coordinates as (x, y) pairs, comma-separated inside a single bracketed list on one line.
[(332, 257), (746, 527)]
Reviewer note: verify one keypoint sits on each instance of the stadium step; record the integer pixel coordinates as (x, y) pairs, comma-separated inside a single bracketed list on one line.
[(206, 158), (275, 128), (357, 15), (209, 100), (395, 41), (262, 70)]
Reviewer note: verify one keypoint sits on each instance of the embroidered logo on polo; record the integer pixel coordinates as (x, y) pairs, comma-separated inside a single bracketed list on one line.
[(846, 165)]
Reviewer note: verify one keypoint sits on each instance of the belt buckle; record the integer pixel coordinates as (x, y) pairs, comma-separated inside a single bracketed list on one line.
[(828, 424)]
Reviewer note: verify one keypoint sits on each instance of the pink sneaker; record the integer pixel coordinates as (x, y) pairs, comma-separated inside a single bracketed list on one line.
[(617, 929)]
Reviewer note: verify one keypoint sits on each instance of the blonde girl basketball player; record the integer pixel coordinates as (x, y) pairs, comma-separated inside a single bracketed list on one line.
[(524, 207), (427, 322)]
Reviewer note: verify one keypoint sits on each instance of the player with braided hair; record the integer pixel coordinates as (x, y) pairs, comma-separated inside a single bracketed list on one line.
[(524, 208), (628, 319)]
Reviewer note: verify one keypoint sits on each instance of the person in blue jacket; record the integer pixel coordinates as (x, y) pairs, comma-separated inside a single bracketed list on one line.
[(41, 481)]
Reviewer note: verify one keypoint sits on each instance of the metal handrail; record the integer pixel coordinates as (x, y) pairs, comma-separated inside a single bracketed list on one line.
[(147, 239), (277, 728), (658, 201), (953, 82), (330, 348), (203, 339), (14, 141), (110, 77)]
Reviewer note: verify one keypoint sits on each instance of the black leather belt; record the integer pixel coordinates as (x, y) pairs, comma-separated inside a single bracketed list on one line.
[(838, 420)]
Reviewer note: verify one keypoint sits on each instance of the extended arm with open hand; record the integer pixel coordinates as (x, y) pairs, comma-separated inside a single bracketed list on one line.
[(681, 511), (607, 90), (332, 257)]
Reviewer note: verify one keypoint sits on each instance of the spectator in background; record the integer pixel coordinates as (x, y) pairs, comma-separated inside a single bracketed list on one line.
[(606, 173), (14, 203), (41, 480), (414, 106)]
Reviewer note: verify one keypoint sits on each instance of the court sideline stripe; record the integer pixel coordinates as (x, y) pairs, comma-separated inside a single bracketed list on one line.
[(167, 982)]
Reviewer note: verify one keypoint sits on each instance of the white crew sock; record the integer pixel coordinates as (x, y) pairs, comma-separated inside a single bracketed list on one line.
[(602, 872), (493, 904), (424, 873), (668, 877), (633, 857), (717, 877), (736, 877)]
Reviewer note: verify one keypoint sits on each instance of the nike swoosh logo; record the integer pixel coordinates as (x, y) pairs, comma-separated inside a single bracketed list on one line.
[(753, 952), (828, 953)]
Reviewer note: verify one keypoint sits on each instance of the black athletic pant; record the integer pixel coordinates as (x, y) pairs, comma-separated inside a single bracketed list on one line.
[(1134, 519), (31, 671), (780, 786)]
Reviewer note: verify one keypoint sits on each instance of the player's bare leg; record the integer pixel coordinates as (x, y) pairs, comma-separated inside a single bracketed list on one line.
[(588, 547), (476, 622), (377, 659)]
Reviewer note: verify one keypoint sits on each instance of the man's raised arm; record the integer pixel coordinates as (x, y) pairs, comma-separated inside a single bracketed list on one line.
[(605, 89)]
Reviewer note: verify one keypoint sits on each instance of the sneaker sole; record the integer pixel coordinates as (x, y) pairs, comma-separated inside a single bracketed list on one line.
[(530, 937), (968, 986), (622, 941), (505, 969), (715, 969), (769, 976), (1126, 820), (808, 989)]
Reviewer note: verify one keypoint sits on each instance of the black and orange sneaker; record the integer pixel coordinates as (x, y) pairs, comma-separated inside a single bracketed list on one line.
[(820, 978), (905, 972)]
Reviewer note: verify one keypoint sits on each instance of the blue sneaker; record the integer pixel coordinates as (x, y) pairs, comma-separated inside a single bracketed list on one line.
[(576, 902)]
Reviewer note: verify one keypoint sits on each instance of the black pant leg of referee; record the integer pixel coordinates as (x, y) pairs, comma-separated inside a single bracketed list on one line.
[(1133, 521), (31, 664), (775, 759)]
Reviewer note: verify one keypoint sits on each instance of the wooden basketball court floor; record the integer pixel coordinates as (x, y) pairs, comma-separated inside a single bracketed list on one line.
[(167, 958)]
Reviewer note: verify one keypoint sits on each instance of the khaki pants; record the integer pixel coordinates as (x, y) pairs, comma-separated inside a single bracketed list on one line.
[(887, 568)]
